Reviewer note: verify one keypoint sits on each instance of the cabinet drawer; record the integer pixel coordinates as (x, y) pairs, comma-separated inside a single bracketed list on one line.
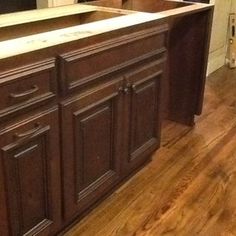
[(27, 86), (88, 64)]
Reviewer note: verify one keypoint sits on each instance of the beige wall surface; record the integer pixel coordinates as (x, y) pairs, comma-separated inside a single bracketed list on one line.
[(219, 34), (54, 3), (234, 6), (64, 2)]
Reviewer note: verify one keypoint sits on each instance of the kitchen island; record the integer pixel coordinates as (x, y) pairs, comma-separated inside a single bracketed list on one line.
[(188, 46), (84, 91)]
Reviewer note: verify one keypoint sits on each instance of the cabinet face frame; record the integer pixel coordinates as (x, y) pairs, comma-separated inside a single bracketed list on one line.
[(30, 167), (79, 117)]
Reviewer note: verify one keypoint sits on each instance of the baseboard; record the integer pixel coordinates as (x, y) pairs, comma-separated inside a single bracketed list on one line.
[(216, 60)]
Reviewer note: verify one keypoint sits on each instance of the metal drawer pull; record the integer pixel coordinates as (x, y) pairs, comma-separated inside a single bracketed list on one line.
[(34, 89), (125, 90), (30, 132), (121, 89)]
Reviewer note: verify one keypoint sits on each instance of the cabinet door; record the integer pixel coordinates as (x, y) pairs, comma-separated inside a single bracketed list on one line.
[(30, 177), (91, 126), (142, 115)]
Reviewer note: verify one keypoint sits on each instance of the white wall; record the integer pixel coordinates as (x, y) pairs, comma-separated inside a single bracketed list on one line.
[(44, 3), (63, 2), (233, 6), (54, 3), (219, 39)]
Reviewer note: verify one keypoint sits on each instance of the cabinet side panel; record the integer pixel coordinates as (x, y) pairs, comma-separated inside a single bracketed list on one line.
[(188, 50)]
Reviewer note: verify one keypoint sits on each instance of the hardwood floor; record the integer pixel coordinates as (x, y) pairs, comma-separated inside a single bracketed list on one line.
[(190, 186)]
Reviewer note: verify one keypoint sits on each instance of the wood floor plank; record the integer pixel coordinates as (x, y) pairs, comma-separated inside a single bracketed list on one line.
[(204, 208), (190, 186)]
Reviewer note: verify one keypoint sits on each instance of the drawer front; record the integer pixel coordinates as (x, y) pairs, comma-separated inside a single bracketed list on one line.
[(27, 86), (87, 64)]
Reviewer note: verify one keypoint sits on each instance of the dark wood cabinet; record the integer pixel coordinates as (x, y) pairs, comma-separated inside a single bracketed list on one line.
[(81, 111), (76, 120), (110, 113), (142, 114), (108, 132), (91, 130), (16, 5), (29, 176)]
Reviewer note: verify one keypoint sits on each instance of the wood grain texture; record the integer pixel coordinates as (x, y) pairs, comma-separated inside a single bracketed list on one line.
[(189, 188), (91, 170), (27, 87), (30, 166)]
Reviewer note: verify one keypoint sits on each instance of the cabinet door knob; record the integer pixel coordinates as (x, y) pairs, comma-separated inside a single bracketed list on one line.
[(126, 90), (134, 87), (121, 89)]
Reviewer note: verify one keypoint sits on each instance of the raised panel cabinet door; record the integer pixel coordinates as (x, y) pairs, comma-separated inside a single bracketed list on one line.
[(91, 127), (142, 116), (30, 177)]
